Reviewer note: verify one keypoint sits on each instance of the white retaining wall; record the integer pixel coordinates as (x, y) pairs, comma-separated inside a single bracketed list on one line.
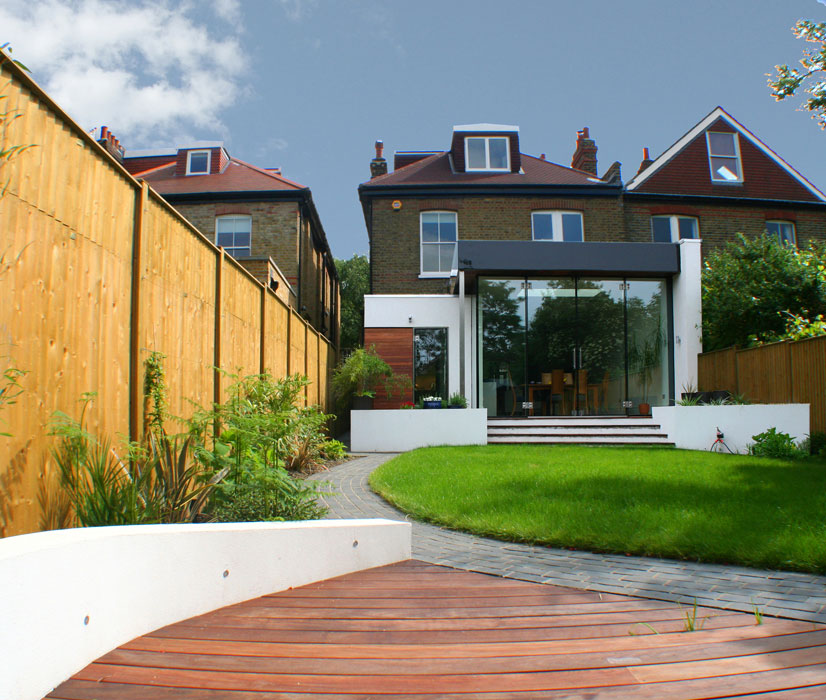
[(695, 427), (69, 596), (400, 430)]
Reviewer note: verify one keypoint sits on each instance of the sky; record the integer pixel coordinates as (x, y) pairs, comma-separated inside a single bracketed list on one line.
[(310, 85)]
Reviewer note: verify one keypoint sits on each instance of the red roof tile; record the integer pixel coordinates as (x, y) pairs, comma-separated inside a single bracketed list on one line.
[(238, 176), (437, 170)]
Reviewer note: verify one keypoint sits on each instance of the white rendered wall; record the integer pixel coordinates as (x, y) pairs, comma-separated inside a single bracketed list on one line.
[(688, 315), (430, 311), (406, 429), (695, 427), (70, 596)]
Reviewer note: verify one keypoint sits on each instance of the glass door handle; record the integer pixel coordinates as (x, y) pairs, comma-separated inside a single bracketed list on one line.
[(573, 357), (580, 358)]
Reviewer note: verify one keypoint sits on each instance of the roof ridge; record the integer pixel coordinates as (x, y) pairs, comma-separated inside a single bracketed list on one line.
[(262, 171), (155, 169)]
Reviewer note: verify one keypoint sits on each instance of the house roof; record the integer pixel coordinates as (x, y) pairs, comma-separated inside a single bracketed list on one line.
[(238, 176), (649, 179), (438, 170)]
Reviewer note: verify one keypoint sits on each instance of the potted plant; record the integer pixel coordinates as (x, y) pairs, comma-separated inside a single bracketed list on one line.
[(357, 378), (644, 358), (457, 401), (432, 402)]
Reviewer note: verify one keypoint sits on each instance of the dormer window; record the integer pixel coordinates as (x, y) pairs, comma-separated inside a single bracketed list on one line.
[(487, 153), (724, 157), (197, 162)]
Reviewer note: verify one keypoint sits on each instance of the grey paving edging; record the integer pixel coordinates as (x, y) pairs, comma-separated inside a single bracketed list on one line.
[(784, 594)]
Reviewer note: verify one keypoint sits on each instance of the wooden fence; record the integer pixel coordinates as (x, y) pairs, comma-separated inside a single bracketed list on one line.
[(96, 272), (787, 372)]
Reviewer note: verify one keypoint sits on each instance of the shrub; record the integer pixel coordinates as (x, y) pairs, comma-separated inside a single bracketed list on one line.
[(457, 400), (267, 495), (361, 373), (774, 444), (815, 444)]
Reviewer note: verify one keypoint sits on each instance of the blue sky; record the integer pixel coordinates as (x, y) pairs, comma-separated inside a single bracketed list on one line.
[(309, 85)]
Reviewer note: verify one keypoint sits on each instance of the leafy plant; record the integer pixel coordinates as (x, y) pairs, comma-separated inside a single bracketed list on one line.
[(10, 388), (689, 401), (268, 495), (817, 443), (773, 444), (333, 450), (457, 400), (644, 357), (155, 392), (362, 372)]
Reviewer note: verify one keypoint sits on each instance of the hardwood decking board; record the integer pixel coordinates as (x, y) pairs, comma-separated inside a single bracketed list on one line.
[(414, 631)]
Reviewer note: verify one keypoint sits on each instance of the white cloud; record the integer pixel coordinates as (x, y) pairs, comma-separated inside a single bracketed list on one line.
[(297, 10), (149, 70)]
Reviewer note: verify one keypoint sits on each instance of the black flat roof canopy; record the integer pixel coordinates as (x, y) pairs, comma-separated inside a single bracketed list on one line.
[(588, 257)]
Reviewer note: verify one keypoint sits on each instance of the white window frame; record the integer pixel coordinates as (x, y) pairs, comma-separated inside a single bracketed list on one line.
[(487, 140), (783, 222), (189, 155), (233, 216), (556, 224), (430, 273), (714, 177), (674, 225)]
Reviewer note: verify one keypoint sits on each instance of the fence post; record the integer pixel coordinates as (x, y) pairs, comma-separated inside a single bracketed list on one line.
[(141, 199), (790, 392), (216, 372), (261, 343)]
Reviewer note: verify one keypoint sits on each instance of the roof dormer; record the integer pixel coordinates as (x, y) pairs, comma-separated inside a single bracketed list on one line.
[(202, 158), (492, 148)]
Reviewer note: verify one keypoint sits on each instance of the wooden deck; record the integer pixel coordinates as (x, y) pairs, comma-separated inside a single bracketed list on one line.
[(419, 631)]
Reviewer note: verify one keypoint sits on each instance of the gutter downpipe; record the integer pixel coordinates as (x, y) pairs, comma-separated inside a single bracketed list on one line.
[(462, 332)]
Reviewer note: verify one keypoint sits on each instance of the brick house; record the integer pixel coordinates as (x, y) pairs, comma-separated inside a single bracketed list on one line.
[(534, 288), (268, 223)]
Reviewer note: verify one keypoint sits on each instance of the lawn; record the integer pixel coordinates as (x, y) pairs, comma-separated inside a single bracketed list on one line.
[(678, 504)]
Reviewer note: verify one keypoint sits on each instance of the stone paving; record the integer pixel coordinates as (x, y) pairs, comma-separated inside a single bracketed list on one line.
[(783, 594)]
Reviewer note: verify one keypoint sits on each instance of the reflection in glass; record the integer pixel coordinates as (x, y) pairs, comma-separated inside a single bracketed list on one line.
[(430, 362), (502, 346), (647, 342)]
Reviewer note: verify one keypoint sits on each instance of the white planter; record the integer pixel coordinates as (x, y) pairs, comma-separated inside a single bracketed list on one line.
[(406, 429), (695, 427), (70, 596)]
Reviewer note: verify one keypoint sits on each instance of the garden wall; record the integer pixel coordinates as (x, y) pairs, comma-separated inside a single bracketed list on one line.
[(786, 372), (96, 272), (108, 585), (401, 430)]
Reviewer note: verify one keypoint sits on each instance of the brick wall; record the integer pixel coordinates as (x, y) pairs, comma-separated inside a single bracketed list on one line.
[(395, 233), (720, 223)]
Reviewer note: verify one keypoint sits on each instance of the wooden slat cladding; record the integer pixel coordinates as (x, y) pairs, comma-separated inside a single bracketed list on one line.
[(787, 372), (395, 346), (95, 275), (417, 631)]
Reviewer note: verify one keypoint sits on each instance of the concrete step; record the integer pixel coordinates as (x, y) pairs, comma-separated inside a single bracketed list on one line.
[(578, 429), (661, 440)]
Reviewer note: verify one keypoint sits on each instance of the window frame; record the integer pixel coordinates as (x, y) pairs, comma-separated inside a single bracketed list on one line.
[(487, 168), (557, 230), (429, 273), (227, 249), (782, 222), (199, 151), (736, 139), (674, 226)]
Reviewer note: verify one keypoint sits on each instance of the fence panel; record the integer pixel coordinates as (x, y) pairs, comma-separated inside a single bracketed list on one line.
[(787, 372), (78, 300)]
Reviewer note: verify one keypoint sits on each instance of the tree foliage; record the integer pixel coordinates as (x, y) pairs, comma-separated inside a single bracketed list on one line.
[(788, 80), (354, 277), (754, 286)]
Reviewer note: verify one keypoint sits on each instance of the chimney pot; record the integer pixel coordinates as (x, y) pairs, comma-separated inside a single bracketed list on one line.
[(379, 148), (585, 155), (646, 160), (378, 166), (541, 156), (645, 153)]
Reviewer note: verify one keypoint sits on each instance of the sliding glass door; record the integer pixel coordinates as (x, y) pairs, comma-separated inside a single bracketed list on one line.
[(572, 346)]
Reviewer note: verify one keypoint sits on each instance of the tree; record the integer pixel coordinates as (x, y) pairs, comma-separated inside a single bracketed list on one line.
[(753, 285), (788, 80), (354, 277)]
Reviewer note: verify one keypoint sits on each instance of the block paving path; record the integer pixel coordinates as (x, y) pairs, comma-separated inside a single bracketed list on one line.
[(779, 593)]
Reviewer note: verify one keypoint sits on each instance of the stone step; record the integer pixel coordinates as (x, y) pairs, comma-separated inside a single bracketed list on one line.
[(564, 422), (661, 440), (579, 429)]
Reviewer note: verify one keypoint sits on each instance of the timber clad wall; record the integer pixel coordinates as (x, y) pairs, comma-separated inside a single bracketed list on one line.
[(96, 272), (395, 345), (787, 372)]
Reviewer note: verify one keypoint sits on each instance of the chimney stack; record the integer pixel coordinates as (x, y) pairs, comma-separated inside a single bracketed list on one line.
[(110, 144), (646, 161), (585, 156), (378, 166)]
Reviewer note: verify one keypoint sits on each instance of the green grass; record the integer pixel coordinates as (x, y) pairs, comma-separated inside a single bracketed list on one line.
[(678, 504)]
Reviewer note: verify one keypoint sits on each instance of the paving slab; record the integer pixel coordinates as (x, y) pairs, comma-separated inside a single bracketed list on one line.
[(783, 594)]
